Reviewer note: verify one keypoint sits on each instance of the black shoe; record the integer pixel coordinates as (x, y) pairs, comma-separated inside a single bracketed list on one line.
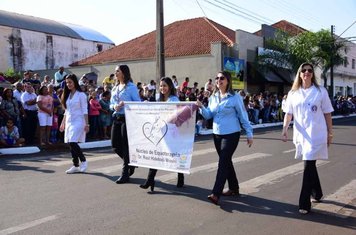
[(131, 170), (148, 183), (122, 180), (180, 182)]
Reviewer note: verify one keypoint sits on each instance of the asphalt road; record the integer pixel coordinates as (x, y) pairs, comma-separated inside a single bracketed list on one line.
[(37, 197)]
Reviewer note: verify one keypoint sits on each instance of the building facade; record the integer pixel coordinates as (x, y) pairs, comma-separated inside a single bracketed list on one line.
[(31, 43)]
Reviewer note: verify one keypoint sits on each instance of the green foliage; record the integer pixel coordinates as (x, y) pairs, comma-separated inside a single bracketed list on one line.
[(12, 76), (318, 48)]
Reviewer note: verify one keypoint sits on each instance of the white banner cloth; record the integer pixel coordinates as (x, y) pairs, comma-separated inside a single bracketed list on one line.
[(161, 134)]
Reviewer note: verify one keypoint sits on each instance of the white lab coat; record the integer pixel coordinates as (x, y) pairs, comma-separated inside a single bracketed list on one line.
[(308, 107), (77, 107)]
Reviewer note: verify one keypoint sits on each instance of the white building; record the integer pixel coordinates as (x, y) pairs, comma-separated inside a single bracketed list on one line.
[(32, 43), (345, 75)]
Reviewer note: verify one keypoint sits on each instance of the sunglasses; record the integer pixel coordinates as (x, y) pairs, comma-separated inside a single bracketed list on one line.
[(222, 78), (309, 70)]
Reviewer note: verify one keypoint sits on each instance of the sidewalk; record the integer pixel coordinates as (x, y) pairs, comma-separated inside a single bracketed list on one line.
[(107, 143)]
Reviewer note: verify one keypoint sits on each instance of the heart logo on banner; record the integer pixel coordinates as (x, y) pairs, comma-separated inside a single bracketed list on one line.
[(156, 131)]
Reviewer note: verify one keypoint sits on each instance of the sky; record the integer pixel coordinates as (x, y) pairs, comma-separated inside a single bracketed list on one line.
[(123, 20)]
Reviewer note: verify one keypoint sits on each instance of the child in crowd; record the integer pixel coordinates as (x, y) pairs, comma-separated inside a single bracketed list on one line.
[(105, 114), (54, 128), (9, 135), (94, 112)]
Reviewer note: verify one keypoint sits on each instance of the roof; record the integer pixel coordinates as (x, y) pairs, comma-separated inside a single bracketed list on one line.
[(285, 26), (15, 20), (182, 38)]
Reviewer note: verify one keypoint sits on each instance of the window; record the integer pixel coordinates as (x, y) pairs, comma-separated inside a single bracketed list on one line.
[(345, 61), (99, 47), (353, 63)]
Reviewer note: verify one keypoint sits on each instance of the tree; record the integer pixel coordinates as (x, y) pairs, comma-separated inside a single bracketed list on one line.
[(320, 49)]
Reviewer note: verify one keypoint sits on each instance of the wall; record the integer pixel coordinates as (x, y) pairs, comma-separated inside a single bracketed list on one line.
[(197, 68), (40, 51), (346, 76), (247, 46)]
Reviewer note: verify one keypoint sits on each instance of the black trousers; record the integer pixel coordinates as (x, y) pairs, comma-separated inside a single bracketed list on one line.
[(310, 186), (225, 146), (77, 153), (119, 142), (152, 174), (29, 126)]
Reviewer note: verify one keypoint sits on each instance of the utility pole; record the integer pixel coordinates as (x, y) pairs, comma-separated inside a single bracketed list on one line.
[(331, 92), (160, 66)]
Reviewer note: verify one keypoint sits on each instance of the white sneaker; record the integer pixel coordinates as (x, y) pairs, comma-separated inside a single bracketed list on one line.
[(83, 166), (72, 170)]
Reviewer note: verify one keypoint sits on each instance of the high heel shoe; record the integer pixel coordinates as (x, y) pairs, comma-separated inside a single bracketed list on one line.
[(229, 192), (148, 183), (214, 199)]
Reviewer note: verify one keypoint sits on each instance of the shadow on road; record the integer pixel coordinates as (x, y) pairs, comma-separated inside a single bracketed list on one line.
[(252, 204)]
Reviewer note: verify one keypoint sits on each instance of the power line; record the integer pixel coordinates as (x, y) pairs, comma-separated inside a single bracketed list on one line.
[(347, 28), (259, 16), (298, 11), (232, 12), (201, 8)]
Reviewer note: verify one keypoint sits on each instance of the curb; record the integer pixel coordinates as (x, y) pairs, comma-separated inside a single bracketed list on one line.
[(107, 143)]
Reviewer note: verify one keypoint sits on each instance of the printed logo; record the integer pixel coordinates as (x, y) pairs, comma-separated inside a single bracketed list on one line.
[(314, 108), (155, 131)]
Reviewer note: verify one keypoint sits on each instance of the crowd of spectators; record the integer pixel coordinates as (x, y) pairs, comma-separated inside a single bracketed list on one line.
[(24, 108)]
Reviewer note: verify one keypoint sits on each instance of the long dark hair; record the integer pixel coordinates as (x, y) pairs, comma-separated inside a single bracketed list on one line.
[(172, 89), (126, 72), (229, 89), (66, 91)]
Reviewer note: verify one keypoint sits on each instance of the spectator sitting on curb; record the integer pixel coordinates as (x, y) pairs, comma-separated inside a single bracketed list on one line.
[(9, 135)]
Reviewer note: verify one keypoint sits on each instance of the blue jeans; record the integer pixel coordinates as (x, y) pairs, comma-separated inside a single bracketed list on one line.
[(225, 146)]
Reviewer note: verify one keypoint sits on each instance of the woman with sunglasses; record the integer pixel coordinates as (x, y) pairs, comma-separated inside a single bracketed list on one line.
[(124, 90), (310, 106), (228, 113)]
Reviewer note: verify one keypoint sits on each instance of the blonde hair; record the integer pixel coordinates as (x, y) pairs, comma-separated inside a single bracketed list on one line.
[(298, 81)]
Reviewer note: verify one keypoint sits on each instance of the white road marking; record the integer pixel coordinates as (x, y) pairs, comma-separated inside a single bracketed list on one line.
[(115, 168), (212, 166), (289, 151), (89, 159), (253, 185), (335, 203), (111, 156), (28, 225)]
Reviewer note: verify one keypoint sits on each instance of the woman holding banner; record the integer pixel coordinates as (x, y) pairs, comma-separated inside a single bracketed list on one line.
[(167, 94), (228, 113), (124, 90)]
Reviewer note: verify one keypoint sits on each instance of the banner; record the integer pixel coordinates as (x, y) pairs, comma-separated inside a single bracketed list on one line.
[(236, 69), (161, 134)]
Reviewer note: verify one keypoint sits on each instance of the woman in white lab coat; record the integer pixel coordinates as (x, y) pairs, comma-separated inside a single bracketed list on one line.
[(310, 106), (75, 121)]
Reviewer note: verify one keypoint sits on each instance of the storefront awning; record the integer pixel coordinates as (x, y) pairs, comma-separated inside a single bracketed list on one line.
[(272, 77)]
